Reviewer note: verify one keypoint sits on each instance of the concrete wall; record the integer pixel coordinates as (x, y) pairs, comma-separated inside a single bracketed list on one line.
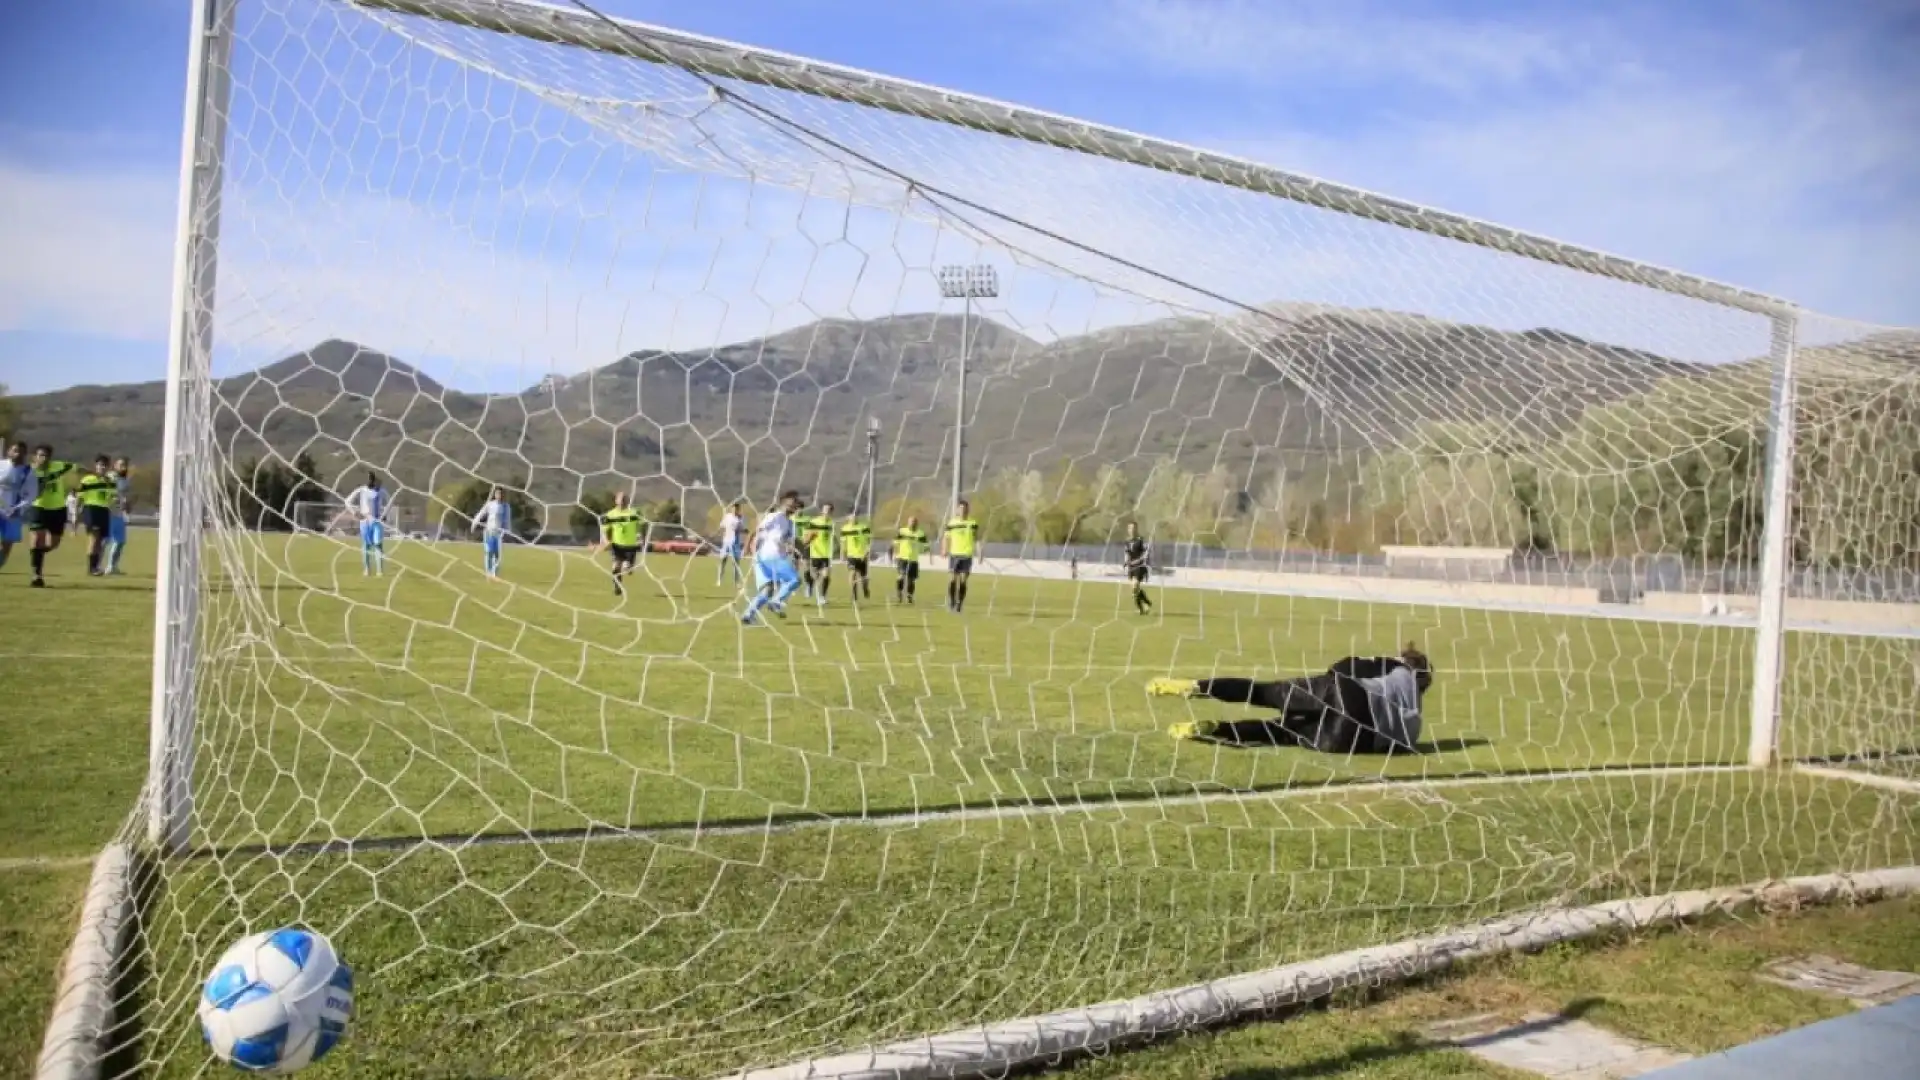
[(1799, 609)]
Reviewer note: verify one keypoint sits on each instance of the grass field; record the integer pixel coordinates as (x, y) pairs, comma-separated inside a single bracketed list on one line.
[(766, 911)]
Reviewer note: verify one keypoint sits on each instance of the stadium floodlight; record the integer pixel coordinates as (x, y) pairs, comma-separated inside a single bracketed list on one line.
[(593, 825), (873, 461), (966, 284)]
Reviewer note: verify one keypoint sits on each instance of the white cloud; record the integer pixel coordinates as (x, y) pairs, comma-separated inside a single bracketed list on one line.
[(479, 230), (1342, 41), (1778, 153), (87, 251)]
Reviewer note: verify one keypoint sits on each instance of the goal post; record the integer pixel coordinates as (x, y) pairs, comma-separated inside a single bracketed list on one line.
[(186, 442), (604, 810)]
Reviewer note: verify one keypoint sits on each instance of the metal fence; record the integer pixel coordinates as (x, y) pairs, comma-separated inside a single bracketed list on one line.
[(1618, 580)]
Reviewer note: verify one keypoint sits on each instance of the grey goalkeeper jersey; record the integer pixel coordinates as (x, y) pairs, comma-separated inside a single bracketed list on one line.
[(1394, 701)]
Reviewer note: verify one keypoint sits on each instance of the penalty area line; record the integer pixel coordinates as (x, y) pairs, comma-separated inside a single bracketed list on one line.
[(965, 815), (1865, 779)]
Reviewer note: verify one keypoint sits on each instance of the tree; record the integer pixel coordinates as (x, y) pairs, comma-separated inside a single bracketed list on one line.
[(306, 486), (662, 512), (1457, 485), (894, 513), (453, 507), (583, 521), (9, 415), (260, 494)]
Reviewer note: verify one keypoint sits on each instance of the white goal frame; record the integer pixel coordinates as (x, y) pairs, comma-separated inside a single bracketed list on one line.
[(169, 798)]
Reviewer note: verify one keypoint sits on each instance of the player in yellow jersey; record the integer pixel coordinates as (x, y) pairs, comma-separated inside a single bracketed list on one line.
[(856, 544), (620, 530), (49, 521), (908, 545), (97, 490), (820, 545), (958, 543)]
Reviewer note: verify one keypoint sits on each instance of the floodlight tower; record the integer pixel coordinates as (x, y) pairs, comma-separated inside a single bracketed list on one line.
[(873, 458), (965, 283)]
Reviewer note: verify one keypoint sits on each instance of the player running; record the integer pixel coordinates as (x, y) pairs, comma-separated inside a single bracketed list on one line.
[(775, 579), (1135, 553), (820, 545), (1364, 704), (731, 527), (958, 544), (909, 543), (19, 487), (49, 521), (856, 544), (495, 520), (620, 530), (368, 505), (122, 504), (97, 491)]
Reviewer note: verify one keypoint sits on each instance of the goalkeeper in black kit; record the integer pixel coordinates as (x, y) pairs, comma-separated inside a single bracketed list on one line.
[(1359, 705), (1135, 553)]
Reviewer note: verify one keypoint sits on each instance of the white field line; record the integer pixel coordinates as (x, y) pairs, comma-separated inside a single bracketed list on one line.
[(44, 862), (1867, 779), (993, 1050), (917, 818), (876, 664)]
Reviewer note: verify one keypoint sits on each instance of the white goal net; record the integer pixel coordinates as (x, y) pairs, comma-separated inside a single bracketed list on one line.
[(567, 823)]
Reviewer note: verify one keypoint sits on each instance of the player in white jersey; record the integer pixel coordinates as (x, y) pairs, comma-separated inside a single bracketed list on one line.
[(19, 486), (368, 505), (122, 501), (73, 509), (494, 520), (773, 570), (731, 526)]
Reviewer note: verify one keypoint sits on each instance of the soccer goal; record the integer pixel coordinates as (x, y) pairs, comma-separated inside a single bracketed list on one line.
[(1659, 536)]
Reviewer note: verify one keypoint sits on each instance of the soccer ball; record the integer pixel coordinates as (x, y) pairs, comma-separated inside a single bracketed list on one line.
[(276, 1002)]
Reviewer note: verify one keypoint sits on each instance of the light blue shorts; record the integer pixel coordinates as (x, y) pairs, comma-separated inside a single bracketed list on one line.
[(372, 534), (774, 570)]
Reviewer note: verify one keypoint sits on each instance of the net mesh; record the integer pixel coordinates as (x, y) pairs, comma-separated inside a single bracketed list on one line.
[(566, 823)]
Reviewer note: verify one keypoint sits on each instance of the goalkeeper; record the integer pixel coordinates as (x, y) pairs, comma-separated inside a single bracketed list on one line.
[(1361, 704)]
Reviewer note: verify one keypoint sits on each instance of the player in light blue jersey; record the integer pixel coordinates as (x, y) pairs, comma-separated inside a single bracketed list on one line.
[(494, 520), (773, 560), (19, 487), (731, 526), (122, 501), (368, 505)]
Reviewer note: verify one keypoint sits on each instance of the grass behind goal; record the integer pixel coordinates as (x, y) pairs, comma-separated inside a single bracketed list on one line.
[(433, 702), (775, 904)]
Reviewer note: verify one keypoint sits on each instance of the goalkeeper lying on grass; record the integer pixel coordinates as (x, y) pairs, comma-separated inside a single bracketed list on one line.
[(1361, 704)]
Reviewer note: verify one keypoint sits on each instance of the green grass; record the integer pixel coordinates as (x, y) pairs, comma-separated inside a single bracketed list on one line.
[(1692, 990), (433, 703), (38, 907)]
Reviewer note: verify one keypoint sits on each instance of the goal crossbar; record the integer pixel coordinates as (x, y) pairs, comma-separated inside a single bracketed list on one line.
[(707, 56)]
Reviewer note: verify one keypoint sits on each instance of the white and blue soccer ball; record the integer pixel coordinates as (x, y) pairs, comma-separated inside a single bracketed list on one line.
[(276, 1002)]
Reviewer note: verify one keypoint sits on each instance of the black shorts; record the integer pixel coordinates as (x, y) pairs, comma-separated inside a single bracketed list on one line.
[(908, 568), (98, 520), (858, 566), (49, 520), (623, 554), (818, 564), (1137, 574), (961, 564)]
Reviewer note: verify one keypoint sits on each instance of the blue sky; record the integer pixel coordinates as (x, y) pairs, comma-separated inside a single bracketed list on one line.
[(1774, 145)]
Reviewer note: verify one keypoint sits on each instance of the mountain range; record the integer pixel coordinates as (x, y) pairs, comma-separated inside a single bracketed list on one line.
[(1285, 387)]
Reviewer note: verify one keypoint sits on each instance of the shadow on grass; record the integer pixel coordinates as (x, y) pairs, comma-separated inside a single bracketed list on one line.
[(1401, 1044), (1274, 733)]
